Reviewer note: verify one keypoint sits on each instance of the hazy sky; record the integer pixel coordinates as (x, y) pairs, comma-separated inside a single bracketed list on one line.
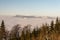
[(30, 7)]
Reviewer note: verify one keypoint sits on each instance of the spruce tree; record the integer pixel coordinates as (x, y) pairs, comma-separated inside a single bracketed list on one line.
[(27, 35), (52, 26), (3, 30), (57, 25), (23, 35)]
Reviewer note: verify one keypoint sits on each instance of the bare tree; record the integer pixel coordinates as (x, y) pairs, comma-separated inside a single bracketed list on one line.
[(14, 35)]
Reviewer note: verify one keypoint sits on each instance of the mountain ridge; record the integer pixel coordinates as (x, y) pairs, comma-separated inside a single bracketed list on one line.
[(24, 16)]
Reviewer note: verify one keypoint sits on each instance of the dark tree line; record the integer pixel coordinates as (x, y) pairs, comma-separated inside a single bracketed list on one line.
[(46, 32)]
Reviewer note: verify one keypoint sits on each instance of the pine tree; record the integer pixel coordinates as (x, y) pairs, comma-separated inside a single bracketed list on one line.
[(57, 25), (57, 20), (23, 35), (28, 32), (3, 30), (35, 33), (27, 35), (52, 26)]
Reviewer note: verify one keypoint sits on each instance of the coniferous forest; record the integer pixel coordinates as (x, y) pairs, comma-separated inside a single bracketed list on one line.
[(46, 32)]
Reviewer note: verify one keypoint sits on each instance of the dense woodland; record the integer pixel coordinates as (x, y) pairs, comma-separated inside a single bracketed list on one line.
[(46, 32)]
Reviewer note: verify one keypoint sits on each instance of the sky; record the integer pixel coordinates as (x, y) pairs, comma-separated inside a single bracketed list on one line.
[(30, 7)]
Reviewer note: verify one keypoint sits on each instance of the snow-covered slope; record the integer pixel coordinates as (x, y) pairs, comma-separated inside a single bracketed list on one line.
[(10, 21)]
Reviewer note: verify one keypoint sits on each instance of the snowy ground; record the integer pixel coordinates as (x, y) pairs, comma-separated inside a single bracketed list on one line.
[(10, 21)]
